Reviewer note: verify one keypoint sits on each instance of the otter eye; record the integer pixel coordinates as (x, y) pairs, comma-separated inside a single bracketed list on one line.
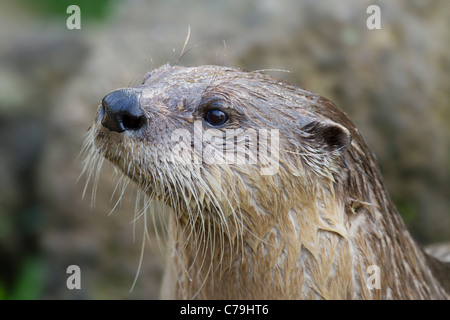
[(216, 117)]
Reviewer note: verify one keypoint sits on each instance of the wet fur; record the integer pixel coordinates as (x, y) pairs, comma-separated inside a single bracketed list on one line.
[(308, 232)]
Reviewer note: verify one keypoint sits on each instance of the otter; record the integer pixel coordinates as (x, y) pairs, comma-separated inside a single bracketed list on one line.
[(318, 225)]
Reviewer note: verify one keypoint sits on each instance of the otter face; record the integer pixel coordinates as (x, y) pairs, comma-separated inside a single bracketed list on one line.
[(200, 139)]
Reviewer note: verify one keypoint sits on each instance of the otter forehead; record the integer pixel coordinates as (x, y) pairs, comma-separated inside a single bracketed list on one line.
[(177, 80), (170, 75), (177, 87)]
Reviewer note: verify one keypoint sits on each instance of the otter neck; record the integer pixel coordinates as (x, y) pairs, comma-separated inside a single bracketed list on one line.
[(310, 248)]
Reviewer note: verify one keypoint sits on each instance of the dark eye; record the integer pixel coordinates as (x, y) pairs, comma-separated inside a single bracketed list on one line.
[(216, 117)]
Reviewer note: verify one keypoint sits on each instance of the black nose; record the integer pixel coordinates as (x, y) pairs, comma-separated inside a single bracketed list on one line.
[(122, 111)]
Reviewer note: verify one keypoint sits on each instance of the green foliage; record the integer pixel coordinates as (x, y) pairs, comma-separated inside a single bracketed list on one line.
[(29, 284), (3, 294), (407, 210)]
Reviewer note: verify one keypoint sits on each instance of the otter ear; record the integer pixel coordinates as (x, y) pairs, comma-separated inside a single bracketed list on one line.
[(333, 136)]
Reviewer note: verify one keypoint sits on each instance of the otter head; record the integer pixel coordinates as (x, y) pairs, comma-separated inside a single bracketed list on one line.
[(218, 143), (244, 156)]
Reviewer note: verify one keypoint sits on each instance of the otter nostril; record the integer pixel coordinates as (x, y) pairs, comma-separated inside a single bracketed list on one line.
[(122, 111), (131, 122)]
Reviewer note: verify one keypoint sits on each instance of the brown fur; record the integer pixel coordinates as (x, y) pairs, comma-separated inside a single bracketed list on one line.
[(308, 232)]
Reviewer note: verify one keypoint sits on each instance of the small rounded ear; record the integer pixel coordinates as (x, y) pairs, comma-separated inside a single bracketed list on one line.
[(334, 136)]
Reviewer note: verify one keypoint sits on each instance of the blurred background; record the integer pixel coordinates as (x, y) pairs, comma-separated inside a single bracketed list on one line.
[(393, 83)]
